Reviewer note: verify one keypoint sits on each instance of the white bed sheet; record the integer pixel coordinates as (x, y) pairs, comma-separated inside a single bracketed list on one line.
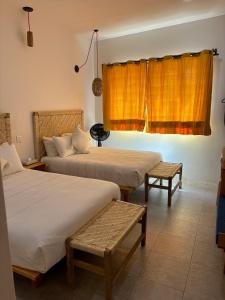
[(43, 209), (124, 167)]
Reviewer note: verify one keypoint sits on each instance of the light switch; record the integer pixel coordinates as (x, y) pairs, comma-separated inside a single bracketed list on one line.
[(19, 139)]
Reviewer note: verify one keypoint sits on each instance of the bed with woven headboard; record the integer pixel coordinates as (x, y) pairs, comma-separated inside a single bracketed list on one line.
[(126, 168), (37, 240)]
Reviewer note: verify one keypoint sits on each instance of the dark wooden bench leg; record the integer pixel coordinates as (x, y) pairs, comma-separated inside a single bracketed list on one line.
[(126, 196), (161, 182), (146, 187), (37, 281), (180, 177), (169, 191), (143, 227), (69, 262), (108, 275)]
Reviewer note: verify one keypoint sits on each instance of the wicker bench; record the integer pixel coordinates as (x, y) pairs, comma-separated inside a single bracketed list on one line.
[(101, 237), (164, 171)]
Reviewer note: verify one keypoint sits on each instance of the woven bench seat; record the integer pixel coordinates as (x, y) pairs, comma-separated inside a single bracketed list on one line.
[(101, 237), (164, 171)]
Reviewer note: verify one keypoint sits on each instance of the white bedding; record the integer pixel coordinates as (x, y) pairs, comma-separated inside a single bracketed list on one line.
[(43, 209), (124, 167)]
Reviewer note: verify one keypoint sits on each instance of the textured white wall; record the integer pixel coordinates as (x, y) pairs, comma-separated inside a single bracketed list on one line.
[(199, 154), (42, 77)]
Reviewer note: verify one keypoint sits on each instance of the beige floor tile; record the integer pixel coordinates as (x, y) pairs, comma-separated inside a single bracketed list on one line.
[(166, 270), (209, 255), (185, 214), (202, 281), (149, 290), (173, 246), (180, 228), (208, 219), (206, 234)]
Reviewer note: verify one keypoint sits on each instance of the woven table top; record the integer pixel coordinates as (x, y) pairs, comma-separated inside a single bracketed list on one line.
[(108, 228), (165, 170)]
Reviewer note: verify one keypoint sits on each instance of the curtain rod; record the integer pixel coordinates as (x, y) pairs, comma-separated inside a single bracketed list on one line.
[(214, 52)]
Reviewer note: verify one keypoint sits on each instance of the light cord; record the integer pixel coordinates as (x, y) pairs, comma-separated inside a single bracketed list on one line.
[(97, 51), (88, 50), (28, 17)]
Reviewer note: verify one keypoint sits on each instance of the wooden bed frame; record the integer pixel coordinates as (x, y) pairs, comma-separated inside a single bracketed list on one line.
[(55, 123), (5, 136)]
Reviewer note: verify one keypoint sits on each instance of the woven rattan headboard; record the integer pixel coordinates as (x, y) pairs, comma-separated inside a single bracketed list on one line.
[(54, 123), (5, 131)]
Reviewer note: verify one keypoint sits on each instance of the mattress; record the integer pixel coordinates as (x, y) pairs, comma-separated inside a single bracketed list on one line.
[(123, 167), (43, 209)]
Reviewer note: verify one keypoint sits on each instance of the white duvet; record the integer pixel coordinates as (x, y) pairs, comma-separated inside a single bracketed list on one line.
[(43, 209), (124, 167)]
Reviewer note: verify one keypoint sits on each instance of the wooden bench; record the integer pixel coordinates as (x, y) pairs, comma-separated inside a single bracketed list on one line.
[(101, 237), (164, 171)]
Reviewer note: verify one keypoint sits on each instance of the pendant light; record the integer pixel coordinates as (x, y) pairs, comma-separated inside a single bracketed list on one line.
[(97, 82), (30, 41)]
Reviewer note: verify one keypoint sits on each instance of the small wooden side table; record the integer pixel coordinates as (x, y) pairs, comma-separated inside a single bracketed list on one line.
[(164, 171), (40, 166)]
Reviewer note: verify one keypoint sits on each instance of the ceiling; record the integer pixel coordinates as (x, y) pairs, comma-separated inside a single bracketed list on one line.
[(122, 17)]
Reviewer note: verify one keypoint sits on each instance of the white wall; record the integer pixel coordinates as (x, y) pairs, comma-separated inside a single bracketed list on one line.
[(199, 154), (42, 77)]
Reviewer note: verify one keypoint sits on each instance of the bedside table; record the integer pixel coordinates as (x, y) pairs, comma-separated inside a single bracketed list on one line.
[(40, 166)]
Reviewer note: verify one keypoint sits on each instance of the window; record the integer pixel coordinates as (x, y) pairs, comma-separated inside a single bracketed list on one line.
[(175, 93)]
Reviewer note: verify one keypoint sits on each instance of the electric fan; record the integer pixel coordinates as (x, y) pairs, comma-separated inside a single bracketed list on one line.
[(98, 133)]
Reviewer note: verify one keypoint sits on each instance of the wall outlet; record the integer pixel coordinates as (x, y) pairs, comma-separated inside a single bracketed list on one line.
[(19, 139)]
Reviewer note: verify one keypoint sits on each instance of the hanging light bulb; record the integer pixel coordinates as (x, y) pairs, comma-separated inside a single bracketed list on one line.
[(97, 82), (30, 41)]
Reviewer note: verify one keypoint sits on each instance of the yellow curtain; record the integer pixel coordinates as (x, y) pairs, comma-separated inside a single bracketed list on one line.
[(124, 91), (179, 94)]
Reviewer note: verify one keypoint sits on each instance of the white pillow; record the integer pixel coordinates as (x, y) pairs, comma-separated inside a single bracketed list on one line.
[(9, 153), (64, 145), (81, 141), (50, 147)]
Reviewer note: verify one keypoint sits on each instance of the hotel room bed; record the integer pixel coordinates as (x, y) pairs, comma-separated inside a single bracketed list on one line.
[(127, 168), (43, 209), (123, 167)]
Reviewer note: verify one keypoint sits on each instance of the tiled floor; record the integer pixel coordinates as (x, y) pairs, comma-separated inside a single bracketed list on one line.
[(180, 260)]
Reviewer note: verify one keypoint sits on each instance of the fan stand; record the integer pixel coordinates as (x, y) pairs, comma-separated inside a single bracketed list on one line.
[(99, 143)]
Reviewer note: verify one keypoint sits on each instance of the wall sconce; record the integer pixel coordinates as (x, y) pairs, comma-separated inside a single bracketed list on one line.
[(30, 41), (97, 82)]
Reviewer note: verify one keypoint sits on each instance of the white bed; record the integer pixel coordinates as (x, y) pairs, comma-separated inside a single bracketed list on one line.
[(43, 209), (127, 168), (123, 167)]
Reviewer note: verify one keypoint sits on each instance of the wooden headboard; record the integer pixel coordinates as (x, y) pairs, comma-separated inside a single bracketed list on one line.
[(54, 123), (5, 131)]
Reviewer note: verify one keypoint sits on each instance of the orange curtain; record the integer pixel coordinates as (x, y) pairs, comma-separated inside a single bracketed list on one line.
[(124, 91), (179, 94), (168, 95)]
